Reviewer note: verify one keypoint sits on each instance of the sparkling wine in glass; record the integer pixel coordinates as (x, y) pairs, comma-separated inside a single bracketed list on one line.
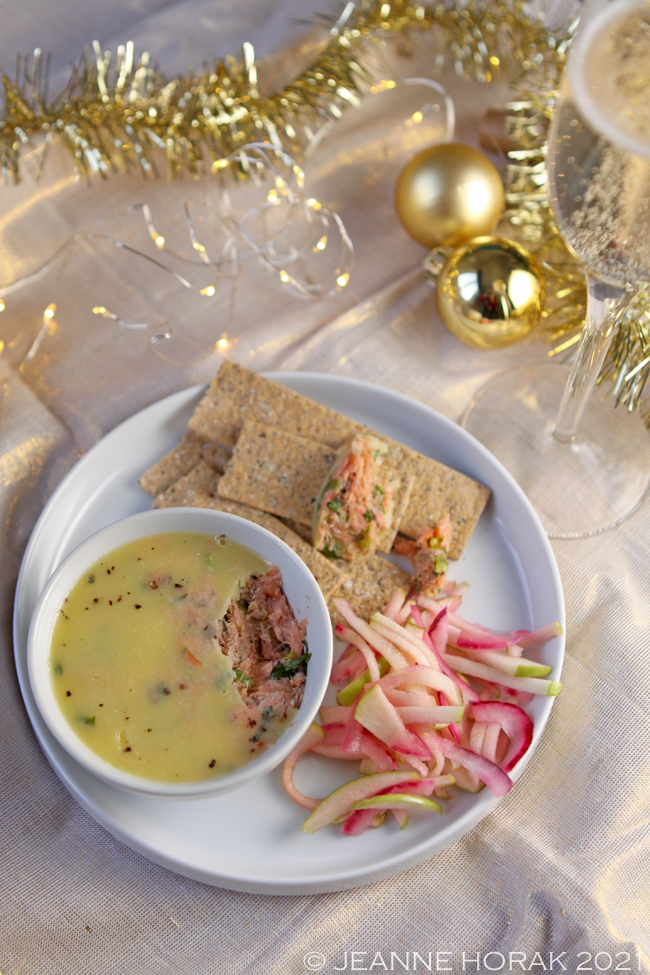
[(587, 468)]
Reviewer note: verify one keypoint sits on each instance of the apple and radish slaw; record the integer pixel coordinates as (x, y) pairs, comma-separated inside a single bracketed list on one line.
[(430, 701)]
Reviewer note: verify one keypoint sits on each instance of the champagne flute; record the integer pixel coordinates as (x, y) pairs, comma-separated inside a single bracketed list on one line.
[(589, 469)]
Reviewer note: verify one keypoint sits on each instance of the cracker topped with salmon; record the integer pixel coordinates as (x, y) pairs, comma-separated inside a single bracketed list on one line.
[(361, 502)]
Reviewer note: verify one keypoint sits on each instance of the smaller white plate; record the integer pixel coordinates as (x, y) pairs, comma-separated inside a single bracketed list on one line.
[(251, 840)]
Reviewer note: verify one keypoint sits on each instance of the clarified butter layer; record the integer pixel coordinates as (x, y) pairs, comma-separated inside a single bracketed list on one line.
[(136, 666)]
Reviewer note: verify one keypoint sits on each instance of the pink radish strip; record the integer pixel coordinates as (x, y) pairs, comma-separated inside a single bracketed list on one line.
[(490, 742), (335, 714), (406, 632), (386, 649), (371, 661), (454, 726), (401, 816), (495, 778), (350, 667), (405, 612), (395, 604), (376, 751), (515, 723), (335, 751), (467, 781), (414, 761), (407, 699), (351, 742), (431, 741), (495, 692), (434, 637), (424, 787), (477, 737), (313, 736), (406, 643), (474, 633), (426, 676), (541, 635), (331, 744), (358, 822), (347, 651), (368, 747)]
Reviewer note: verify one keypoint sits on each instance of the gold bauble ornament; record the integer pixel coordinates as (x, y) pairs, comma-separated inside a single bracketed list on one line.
[(490, 292), (448, 194)]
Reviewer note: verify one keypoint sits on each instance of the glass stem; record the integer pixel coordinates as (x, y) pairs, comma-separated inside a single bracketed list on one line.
[(605, 304)]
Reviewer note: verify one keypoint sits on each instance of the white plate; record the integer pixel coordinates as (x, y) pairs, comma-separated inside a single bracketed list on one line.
[(251, 839)]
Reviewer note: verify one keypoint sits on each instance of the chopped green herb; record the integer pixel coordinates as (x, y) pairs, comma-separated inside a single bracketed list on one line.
[(335, 505), (207, 558), (379, 490), (369, 516), (184, 596), (375, 454), (58, 669), (86, 720), (332, 485), (90, 579), (290, 666), (329, 553), (364, 541), (243, 605), (243, 678)]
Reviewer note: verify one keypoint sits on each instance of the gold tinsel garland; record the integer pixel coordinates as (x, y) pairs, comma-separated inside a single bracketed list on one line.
[(114, 116)]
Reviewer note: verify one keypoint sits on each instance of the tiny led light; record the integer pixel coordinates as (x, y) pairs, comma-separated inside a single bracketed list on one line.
[(342, 280), (284, 277), (321, 245), (209, 291), (99, 310), (49, 311), (494, 60), (223, 343), (160, 241), (2, 305)]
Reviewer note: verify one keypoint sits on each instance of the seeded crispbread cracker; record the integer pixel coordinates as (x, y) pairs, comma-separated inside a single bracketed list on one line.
[(190, 450), (370, 585), (438, 491), (328, 576), (276, 472), (304, 531), (221, 413), (202, 480), (236, 394)]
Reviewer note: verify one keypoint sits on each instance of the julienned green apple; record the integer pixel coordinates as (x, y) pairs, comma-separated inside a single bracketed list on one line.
[(339, 803)]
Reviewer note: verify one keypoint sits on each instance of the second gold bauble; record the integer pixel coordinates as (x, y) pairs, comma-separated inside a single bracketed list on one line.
[(490, 292), (448, 194)]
